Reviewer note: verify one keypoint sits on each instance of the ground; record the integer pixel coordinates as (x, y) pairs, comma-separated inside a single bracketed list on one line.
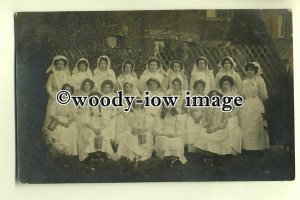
[(275, 164)]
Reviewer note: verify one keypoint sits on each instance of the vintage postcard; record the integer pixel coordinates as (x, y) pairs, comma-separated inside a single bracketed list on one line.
[(154, 96)]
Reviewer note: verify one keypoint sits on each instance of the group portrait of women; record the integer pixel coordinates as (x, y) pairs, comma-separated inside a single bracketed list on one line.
[(169, 133)]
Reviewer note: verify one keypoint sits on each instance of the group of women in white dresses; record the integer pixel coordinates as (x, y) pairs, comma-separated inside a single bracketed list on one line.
[(161, 131)]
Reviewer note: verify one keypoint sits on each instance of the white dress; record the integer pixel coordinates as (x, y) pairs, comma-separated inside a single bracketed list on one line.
[(196, 115), (205, 75), (100, 76), (79, 76), (159, 75), (217, 142), (171, 75), (55, 82), (86, 136), (255, 137), (63, 137), (155, 111), (131, 79), (234, 126), (129, 145), (169, 139), (231, 72)]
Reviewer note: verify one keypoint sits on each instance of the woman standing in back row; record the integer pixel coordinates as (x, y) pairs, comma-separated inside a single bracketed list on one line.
[(103, 72), (201, 72), (59, 75), (227, 67), (255, 137)]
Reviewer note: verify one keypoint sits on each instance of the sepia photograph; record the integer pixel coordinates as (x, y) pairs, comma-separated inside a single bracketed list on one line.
[(245, 53)]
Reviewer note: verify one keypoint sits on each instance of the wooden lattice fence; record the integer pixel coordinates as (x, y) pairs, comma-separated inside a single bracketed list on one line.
[(241, 54)]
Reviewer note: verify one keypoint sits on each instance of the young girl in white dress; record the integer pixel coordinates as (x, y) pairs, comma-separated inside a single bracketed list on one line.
[(215, 140), (154, 90), (227, 67), (196, 114), (201, 72), (128, 75), (169, 133), (226, 84), (80, 72), (110, 114), (129, 88), (255, 137), (176, 90), (94, 135), (59, 75), (153, 70), (136, 140), (62, 130), (86, 88), (176, 70), (103, 72)]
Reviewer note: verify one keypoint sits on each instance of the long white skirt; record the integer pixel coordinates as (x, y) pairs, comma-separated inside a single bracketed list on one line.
[(62, 139), (255, 137), (86, 140), (217, 142), (235, 133), (130, 147), (165, 146)]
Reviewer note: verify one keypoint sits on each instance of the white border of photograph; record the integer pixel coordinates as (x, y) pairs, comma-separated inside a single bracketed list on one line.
[(9, 189)]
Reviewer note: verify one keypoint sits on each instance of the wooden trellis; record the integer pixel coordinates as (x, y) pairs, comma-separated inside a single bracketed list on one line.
[(241, 54)]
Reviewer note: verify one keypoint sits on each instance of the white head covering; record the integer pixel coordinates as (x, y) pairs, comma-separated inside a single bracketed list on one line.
[(195, 66), (259, 71), (160, 69), (132, 69), (51, 68), (227, 58), (97, 70), (132, 82), (88, 70), (60, 77), (170, 71)]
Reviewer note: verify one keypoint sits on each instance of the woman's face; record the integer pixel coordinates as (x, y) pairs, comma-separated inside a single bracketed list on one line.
[(153, 66), (176, 68), (227, 64), (199, 88), (87, 87), (250, 72), (60, 65), (226, 86), (82, 67), (128, 88), (153, 86), (127, 68), (201, 64), (176, 86), (103, 65), (106, 89)]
